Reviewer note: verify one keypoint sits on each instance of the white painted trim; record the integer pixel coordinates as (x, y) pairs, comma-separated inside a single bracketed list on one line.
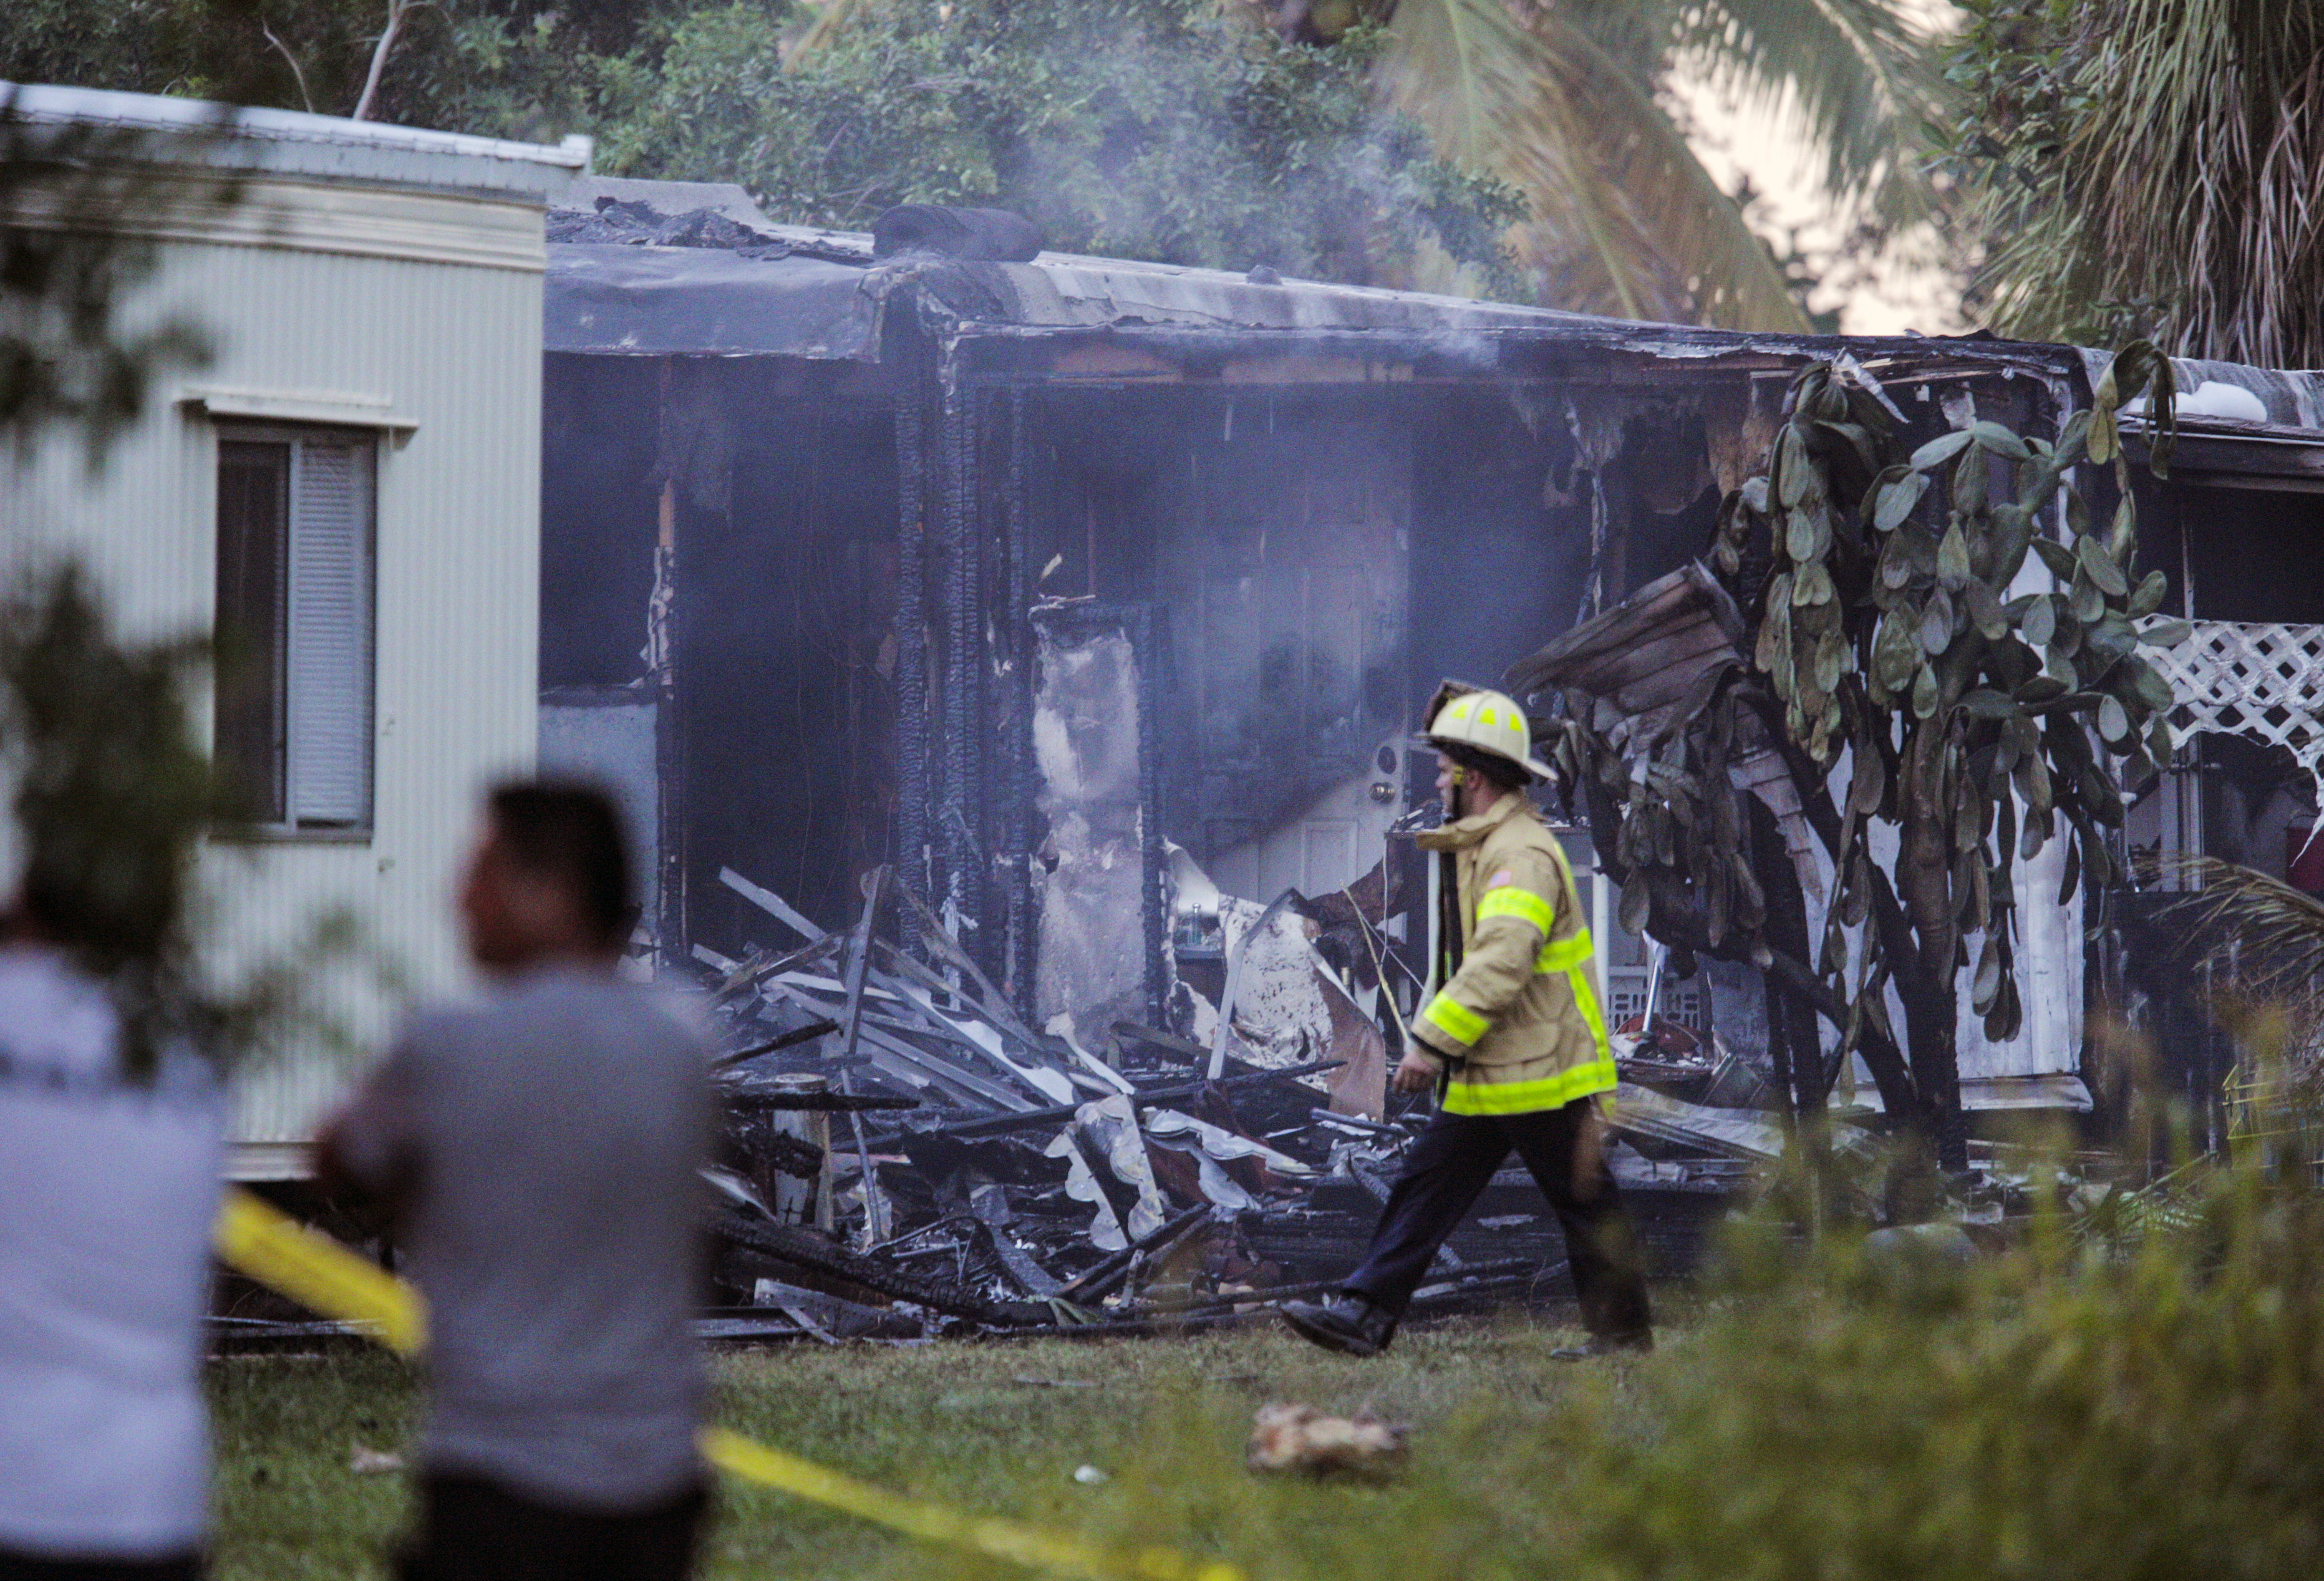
[(42, 103), (305, 217), (338, 407)]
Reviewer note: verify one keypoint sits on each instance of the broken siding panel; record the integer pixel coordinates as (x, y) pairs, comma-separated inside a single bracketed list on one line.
[(1289, 1008), (1086, 745), (1764, 773), (1644, 656), (1646, 653)]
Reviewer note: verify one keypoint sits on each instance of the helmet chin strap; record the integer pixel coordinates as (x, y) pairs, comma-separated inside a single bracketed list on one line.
[(1462, 782)]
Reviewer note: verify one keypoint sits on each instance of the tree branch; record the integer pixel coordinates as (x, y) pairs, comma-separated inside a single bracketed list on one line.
[(1897, 941), (296, 73), (397, 10)]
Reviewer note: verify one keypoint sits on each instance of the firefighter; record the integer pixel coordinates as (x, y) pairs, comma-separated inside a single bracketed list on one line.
[(1514, 1043)]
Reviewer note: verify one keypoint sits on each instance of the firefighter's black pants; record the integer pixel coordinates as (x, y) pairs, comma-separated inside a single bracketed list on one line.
[(1449, 1168)]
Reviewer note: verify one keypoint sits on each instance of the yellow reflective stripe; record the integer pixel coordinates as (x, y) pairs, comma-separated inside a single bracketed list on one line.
[(1585, 1000), (1523, 904), (1455, 1019), (1563, 954), (1521, 1097), (1585, 993)]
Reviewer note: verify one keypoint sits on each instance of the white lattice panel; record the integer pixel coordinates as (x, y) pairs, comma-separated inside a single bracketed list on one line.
[(1684, 1005), (2262, 682)]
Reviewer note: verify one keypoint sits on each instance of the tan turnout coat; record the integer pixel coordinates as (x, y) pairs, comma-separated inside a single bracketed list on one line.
[(1519, 1021)]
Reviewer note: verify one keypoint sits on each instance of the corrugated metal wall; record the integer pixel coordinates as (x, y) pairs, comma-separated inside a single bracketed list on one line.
[(455, 348)]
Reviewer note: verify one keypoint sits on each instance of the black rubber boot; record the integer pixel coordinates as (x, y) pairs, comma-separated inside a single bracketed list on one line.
[(1347, 1323)]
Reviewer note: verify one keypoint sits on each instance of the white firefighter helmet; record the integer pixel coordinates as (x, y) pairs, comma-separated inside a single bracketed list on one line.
[(1488, 722)]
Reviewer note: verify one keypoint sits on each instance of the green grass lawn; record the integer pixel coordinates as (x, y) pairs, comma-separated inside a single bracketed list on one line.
[(1000, 1429), (2058, 1412)]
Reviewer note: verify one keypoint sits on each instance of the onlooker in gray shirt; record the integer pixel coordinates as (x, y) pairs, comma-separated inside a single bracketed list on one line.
[(541, 1153)]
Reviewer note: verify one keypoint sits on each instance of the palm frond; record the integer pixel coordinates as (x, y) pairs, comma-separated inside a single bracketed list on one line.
[(1624, 218), (2188, 183), (2276, 933), (1862, 86)]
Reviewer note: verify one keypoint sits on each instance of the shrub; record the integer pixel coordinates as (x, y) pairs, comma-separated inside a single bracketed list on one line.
[(2074, 1408)]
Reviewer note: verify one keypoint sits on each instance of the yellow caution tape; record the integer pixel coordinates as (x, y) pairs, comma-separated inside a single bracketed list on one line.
[(320, 1274), (1003, 1539)]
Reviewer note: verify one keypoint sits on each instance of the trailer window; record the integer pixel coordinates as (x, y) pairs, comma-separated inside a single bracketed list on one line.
[(294, 627)]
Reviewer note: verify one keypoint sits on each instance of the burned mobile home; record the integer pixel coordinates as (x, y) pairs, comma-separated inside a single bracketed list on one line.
[(1078, 611), (1081, 589)]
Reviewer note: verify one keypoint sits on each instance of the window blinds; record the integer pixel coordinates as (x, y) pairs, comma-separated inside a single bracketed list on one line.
[(327, 650)]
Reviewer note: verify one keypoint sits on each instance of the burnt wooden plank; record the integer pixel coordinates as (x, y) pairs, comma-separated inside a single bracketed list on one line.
[(792, 1243)]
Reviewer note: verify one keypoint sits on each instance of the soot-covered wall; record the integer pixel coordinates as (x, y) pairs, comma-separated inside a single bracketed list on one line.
[(1320, 556), (1268, 531), (786, 653), (1500, 541), (597, 503), (781, 488)]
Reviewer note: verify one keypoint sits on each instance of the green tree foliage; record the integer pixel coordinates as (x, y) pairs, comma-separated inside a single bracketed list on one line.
[(1521, 147), (1164, 129), (499, 68), (1147, 128), (1908, 691), (2147, 168), (113, 796)]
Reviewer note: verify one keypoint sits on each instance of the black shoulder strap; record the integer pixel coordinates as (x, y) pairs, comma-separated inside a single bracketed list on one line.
[(1450, 946)]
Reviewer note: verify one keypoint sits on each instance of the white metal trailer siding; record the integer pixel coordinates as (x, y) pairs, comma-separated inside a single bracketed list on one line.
[(416, 314)]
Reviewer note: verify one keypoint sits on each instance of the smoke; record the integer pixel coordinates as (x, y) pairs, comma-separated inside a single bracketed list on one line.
[(1168, 130)]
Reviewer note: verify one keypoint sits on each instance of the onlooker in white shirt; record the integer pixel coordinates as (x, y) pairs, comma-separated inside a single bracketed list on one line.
[(108, 1188), (112, 1122)]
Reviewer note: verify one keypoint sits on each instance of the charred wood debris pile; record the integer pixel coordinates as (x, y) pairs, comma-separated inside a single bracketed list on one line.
[(1023, 1182)]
